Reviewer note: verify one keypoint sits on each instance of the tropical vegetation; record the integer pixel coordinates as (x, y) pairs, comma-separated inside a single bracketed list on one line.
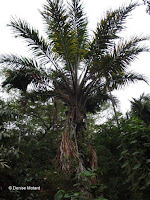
[(48, 134)]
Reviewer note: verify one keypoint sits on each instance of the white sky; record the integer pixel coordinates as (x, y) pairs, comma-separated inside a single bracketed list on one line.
[(137, 23)]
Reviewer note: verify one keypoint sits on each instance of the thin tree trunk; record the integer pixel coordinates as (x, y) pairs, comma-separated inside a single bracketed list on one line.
[(114, 108)]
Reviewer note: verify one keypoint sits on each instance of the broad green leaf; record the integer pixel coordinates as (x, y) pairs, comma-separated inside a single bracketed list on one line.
[(123, 152), (137, 166), (133, 142), (66, 196), (86, 173), (121, 158), (93, 186), (59, 195), (76, 194), (148, 182), (148, 160), (142, 177), (125, 164), (135, 153), (147, 144)]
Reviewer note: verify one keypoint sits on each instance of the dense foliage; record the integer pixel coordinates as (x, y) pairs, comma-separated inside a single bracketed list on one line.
[(29, 143)]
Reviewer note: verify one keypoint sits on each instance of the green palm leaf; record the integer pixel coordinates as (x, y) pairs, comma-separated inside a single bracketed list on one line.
[(78, 21), (120, 80), (127, 52), (108, 29), (60, 33), (21, 71), (119, 58), (38, 45)]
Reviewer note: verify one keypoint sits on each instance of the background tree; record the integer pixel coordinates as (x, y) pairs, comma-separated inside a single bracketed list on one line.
[(147, 3), (141, 108)]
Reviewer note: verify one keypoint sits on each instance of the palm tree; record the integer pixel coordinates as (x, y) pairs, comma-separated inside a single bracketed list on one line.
[(78, 71), (141, 108)]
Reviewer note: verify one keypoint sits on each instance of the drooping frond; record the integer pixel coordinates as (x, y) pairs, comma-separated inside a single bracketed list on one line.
[(16, 79), (37, 43), (21, 72), (119, 58), (120, 80), (127, 52), (14, 61), (94, 100), (62, 80), (63, 86)]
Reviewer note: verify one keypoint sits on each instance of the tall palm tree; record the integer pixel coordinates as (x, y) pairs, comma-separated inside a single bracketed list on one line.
[(79, 71)]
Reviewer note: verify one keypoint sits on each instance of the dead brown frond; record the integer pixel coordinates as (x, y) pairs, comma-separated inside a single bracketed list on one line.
[(93, 157)]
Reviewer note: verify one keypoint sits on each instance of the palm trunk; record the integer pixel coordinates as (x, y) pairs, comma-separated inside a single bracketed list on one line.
[(81, 167), (68, 151)]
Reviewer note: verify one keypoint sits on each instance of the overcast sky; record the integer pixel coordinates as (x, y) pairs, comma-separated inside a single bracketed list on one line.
[(137, 24)]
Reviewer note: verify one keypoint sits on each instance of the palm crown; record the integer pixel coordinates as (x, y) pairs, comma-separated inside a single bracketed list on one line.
[(80, 72)]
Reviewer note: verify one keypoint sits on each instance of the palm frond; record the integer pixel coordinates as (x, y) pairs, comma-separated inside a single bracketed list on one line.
[(16, 79), (108, 29), (127, 52), (141, 108), (37, 43), (119, 58), (95, 99), (13, 61), (59, 31), (78, 21), (20, 72), (123, 79), (62, 83)]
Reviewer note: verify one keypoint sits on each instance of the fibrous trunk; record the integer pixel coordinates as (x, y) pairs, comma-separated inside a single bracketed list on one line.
[(68, 152), (68, 156)]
